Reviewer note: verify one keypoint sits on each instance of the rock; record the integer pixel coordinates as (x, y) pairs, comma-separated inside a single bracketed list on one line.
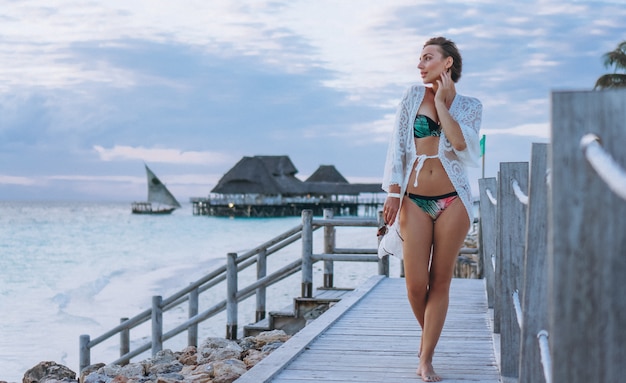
[(268, 348), (130, 370), (214, 349), (163, 357), (246, 343), (170, 378), (48, 371), (270, 337), (96, 377), (253, 357), (189, 356), (217, 360), (199, 378), (204, 369), (164, 362), (88, 370), (227, 371)]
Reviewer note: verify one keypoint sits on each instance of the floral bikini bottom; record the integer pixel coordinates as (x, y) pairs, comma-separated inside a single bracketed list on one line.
[(435, 205)]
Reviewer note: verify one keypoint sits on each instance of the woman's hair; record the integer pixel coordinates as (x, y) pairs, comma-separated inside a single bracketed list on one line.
[(448, 49)]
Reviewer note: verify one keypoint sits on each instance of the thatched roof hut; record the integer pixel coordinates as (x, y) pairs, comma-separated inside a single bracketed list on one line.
[(326, 173), (276, 175), (268, 175)]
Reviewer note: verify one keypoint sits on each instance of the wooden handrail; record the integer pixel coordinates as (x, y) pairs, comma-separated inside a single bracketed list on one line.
[(215, 277)]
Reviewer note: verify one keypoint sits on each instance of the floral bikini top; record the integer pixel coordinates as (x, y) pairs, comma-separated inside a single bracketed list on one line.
[(424, 126)]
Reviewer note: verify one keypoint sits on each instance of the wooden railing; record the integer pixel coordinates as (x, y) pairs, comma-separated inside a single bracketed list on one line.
[(556, 232), (228, 273)]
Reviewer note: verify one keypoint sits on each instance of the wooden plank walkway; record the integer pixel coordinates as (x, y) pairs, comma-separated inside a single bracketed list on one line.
[(371, 335)]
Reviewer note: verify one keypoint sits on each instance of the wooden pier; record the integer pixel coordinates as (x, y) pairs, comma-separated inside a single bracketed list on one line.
[(552, 259), (259, 208), (371, 335)]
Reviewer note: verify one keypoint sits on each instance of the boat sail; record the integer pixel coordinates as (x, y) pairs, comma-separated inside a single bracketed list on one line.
[(157, 194)]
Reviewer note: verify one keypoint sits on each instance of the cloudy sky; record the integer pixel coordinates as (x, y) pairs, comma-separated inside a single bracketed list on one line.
[(90, 90)]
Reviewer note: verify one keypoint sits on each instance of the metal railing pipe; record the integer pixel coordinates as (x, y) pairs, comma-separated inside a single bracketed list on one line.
[(544, 349), (521, 196), (518, 308), (605, 166)]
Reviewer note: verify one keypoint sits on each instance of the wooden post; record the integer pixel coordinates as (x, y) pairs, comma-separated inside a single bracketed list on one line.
[(261, 271), (192, 332), (157, 325), (84, 352), (307, 253), (124, 339), (488, 234), (512, 236), (535, 275), (231, 296), (329, 248), (587, 245)]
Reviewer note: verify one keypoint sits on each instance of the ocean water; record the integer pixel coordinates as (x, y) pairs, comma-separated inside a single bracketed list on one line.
[(68, 269)]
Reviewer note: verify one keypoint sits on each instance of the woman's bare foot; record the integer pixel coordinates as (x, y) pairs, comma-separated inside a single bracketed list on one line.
[(426, 371)]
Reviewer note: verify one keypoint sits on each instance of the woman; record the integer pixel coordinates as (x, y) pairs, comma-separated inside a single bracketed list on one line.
[(429, 196)]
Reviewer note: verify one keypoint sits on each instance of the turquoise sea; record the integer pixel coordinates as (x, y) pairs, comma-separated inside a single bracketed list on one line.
[(72, 268)]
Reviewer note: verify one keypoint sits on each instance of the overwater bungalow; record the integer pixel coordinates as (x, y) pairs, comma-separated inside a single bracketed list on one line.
[(267, 186)]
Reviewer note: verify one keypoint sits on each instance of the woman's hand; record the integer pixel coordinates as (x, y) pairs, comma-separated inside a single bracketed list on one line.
[(390, 209), (446, 91)]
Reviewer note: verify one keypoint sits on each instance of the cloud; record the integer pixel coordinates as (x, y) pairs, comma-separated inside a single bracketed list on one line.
[(172, 156), (14, 180), (89, 88), (528, 130)]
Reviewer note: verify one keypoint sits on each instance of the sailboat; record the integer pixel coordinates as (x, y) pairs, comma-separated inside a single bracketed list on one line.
[(157, 194)]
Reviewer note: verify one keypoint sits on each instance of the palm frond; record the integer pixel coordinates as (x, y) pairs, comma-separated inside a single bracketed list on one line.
[(616, 57), (609, 81)]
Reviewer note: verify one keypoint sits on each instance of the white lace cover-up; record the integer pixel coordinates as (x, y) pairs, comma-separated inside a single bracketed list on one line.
[(402, 154)]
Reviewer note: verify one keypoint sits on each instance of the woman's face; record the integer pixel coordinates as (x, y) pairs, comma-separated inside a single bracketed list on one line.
[(432, 64)]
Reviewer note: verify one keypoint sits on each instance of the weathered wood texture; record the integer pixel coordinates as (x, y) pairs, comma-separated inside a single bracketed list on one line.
[(376, 339), (587, 246), (488, 234), (535, 278), (510, 256)]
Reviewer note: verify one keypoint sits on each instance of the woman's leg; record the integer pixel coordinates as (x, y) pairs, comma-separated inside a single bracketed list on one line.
[(450, 230), (416, 228)]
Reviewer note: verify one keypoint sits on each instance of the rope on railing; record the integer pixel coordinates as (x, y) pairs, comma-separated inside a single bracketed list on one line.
[(610, 171), (523, 198), (493, 261), (518, 308), (491, 198), (544, 349)]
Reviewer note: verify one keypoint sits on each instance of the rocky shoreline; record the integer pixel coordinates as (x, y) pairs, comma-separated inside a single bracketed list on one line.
[(216, 360)]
